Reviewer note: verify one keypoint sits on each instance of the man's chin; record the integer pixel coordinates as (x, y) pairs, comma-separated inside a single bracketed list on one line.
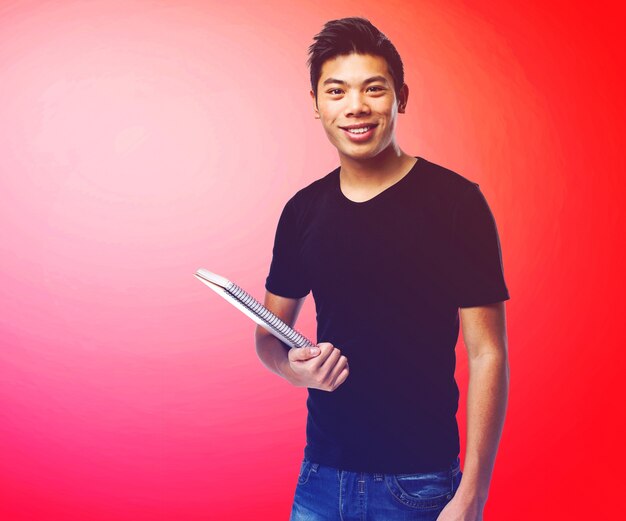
[(359, 155)]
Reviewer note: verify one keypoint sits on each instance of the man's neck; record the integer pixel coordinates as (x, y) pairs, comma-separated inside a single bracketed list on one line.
[(390, 164)]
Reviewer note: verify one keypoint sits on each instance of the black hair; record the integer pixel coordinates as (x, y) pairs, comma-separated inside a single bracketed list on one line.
[(353, 35)]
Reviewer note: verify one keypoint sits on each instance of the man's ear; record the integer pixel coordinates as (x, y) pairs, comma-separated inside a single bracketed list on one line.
[(403, 98), (317, 114)]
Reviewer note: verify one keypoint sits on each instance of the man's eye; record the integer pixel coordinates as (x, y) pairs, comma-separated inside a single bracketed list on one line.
[(375, 87), (334, 91)]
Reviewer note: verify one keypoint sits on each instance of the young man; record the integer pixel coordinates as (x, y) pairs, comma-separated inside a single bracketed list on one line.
[(391, 245)]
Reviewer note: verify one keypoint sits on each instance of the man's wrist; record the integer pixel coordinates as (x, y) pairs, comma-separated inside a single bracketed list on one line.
[(284, 367), (469, 494)]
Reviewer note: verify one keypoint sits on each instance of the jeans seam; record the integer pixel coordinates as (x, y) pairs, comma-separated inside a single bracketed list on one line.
[(340, 496)]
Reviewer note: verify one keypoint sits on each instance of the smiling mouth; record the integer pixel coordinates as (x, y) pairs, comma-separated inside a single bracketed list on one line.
[(358, 130)]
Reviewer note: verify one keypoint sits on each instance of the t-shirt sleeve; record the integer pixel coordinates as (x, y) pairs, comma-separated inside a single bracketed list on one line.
[(479, 273), (287, 276)]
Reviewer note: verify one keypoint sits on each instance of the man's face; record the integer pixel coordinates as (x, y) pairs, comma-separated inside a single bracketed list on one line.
[(357, 90)]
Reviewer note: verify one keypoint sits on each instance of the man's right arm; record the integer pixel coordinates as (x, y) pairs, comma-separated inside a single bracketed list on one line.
[(320, 367), (270, 350)]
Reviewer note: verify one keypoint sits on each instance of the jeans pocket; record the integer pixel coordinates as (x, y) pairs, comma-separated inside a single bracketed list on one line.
[(305, 471), (422, 490)]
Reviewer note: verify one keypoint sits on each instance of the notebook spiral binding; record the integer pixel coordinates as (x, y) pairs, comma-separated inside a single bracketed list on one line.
[(261, 311)]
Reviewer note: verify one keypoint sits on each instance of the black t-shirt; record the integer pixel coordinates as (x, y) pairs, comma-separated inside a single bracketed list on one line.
[(388, 276)]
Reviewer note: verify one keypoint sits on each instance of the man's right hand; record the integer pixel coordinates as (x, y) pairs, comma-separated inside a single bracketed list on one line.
[(325, 369)]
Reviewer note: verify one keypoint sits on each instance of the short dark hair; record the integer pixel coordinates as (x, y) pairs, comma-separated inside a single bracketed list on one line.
[(353, 35)]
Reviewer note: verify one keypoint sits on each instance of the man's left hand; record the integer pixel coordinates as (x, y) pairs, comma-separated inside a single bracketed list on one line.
[(459, 509)]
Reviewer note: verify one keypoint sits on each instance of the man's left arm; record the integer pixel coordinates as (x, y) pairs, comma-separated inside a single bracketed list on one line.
[(484, 333)]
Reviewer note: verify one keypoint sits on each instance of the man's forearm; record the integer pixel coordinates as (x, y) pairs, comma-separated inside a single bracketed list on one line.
[(487, 398), (273, 355)]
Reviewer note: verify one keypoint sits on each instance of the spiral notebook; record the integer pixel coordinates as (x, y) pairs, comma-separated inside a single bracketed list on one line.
[(253, 308)]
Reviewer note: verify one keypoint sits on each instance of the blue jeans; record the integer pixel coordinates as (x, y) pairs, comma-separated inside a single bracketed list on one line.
[(325, 493)]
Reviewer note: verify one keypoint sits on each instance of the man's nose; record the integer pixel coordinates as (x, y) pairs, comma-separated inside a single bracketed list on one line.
[(356, 104)]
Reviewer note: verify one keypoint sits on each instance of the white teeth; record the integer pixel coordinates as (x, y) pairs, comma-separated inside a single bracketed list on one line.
[(358, 130)]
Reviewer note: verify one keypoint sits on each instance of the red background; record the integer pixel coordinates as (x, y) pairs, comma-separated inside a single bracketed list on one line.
[(143, 140)]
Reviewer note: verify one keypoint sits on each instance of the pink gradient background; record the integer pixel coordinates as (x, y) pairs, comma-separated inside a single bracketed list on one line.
[(142, 140)]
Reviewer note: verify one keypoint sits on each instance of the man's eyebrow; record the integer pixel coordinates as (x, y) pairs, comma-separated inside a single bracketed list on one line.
[(368, 80)]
